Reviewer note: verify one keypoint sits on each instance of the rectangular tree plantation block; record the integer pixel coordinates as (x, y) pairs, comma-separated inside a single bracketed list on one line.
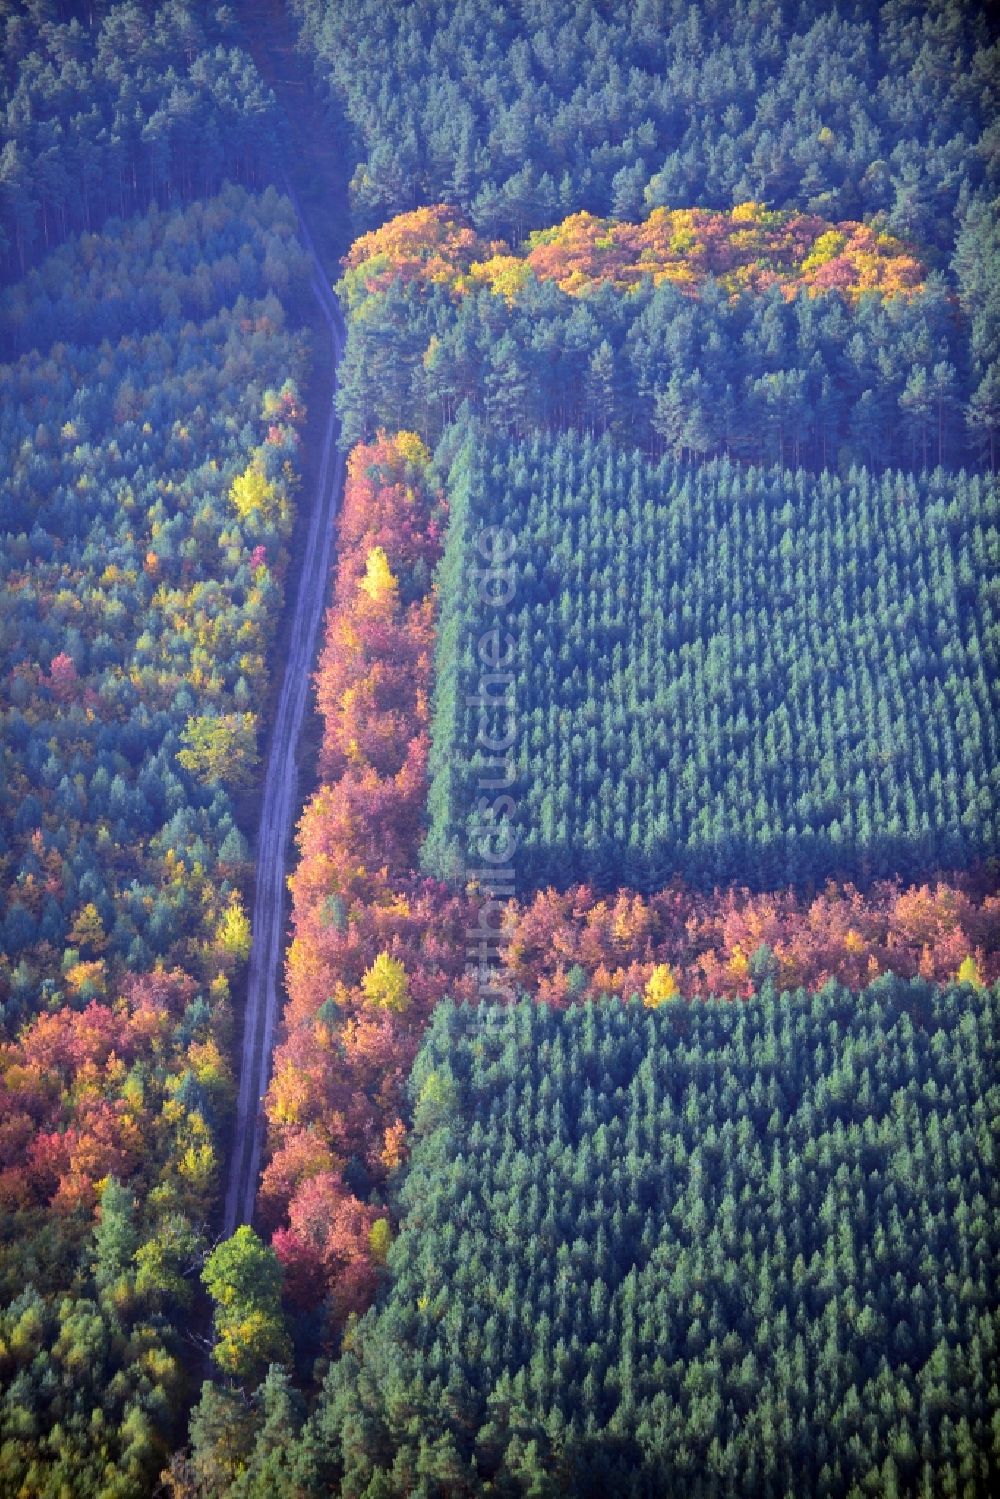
[(717, 672), (606, 1267)]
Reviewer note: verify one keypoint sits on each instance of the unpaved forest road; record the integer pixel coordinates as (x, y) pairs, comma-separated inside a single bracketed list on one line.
[(280, 795)]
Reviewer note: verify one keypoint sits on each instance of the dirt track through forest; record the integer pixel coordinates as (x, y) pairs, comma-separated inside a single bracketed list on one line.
[(279, 801)]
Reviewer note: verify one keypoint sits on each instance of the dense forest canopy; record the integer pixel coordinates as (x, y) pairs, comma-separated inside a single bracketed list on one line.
[(148, 439), (108, 108), (767, 337), (700, 1248), (376, 943), (154, 273), (523, 115), (594, 1175), (150, 416), (713, 672), (525, 111), (143, 528), (726, 402), (750, 248)]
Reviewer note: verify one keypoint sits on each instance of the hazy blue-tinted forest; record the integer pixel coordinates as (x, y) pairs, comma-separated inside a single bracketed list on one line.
[(147, 445), (681, 1182), (150, 418), (522, 113)]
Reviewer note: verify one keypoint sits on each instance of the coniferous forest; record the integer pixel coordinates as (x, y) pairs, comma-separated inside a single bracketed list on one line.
[(694, 653), (612, 1106), (608, 1279), (110, 109)]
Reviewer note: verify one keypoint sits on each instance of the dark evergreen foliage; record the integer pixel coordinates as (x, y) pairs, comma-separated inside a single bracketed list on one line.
[(814, 381), (717, 672), (706, 1249), (710, 1249), (107, 109), (522, 112)]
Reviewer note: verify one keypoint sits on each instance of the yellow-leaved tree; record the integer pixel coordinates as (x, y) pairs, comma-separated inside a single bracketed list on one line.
[(243, 1278), (386, 984), (233, 935), (379, 1240), (379, 581), (968, 972), (662, 985), (222, 748), (87, 931), (254, 491), (411, 447)]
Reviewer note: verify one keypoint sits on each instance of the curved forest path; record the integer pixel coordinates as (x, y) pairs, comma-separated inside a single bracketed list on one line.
[(280, 794)]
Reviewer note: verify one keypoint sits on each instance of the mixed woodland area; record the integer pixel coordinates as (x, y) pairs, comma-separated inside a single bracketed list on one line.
[(149, 482), (720, 336), (150, 419), (662, 1163)]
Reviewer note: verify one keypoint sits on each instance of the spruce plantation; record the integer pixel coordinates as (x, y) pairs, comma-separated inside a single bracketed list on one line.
[(718, 672), (607, 1280)]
